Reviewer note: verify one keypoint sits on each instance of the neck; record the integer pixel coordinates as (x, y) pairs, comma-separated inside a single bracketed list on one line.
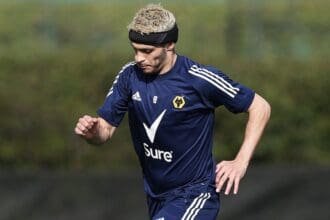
[(168, 65)]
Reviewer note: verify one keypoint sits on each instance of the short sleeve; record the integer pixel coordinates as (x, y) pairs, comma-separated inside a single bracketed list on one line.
[(116, 103), (218, 89)]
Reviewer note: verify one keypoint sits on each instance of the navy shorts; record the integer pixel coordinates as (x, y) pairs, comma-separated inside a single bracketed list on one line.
[(198, 202)]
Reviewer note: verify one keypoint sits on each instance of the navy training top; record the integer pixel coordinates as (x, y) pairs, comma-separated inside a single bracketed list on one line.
[(171, 119)]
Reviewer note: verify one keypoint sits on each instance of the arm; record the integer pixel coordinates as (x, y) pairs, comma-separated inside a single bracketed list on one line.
[(232, 171), (94, 130), (97, 130)]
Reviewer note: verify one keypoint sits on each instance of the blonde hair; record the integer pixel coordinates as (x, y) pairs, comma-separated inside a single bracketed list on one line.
[(152, 18)]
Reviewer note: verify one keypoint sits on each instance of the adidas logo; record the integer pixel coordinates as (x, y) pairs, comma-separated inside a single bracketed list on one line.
[(136, 96)]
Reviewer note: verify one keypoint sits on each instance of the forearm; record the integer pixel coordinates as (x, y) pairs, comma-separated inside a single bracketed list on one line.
[(259, 114)]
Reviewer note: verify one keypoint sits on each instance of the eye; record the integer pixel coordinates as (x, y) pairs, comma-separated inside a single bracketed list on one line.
[(147, 51)]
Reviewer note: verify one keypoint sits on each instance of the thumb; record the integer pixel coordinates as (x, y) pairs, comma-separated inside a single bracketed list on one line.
[(94, 126), (95, 120)]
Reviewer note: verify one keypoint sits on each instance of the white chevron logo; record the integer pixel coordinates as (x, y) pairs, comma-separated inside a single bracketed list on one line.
[(151, 132)]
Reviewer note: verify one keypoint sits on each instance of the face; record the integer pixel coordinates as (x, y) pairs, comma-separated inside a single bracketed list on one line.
[(151, 59)]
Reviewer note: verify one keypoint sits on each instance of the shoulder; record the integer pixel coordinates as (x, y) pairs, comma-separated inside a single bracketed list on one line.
[(126, 72), (128, 68), (123, 77), (202, 75), (196, 70)]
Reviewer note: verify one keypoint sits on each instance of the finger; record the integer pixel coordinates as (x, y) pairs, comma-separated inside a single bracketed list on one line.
[(79, 132), (219, 175), (84, 121), (236, 184), (219, 166), (81, 127), (88, 122), (229, 185), (92, 122), (222, 181), (89, 119)]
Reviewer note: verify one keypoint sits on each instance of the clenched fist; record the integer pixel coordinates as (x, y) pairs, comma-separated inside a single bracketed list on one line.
[(87, 127)]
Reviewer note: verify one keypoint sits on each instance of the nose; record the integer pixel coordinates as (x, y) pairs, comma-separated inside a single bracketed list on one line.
[(139, 58)]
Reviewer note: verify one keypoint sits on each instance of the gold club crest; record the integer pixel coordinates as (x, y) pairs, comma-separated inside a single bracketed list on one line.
[(178, 102)]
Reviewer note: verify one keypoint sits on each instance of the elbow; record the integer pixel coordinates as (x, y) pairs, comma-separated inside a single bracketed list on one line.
[(260, 108), (267, 110)]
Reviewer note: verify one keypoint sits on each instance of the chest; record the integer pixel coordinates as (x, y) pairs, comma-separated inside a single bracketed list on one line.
[(176, 96)]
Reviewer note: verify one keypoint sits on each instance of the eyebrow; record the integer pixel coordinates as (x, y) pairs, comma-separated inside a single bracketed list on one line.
[(143, 47)]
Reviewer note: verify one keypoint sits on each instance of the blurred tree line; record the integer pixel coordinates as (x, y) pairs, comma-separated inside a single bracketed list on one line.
[(58, 59)]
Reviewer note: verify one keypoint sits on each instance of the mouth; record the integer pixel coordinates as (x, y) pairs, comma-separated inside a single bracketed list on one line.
[(144, 67)]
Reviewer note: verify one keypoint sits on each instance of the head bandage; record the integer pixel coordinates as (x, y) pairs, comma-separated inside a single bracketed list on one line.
[(155, 38)]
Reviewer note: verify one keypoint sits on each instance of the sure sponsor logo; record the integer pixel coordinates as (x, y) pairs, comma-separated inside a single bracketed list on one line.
[(151, 131), (157, 154)]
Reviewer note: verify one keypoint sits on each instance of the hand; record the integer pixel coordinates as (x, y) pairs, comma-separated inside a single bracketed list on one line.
[(231, 172), (86, 127)]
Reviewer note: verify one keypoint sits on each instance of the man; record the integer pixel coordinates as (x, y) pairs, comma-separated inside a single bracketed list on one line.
[(170, 100)]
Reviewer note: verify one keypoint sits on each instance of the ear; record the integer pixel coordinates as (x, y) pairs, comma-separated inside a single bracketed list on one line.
[(170, 46)]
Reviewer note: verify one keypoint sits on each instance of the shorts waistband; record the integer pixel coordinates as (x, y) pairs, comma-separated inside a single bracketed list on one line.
[(189, 188)]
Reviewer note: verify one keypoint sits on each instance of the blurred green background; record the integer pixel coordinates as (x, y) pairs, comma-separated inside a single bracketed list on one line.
[(58, 59)]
